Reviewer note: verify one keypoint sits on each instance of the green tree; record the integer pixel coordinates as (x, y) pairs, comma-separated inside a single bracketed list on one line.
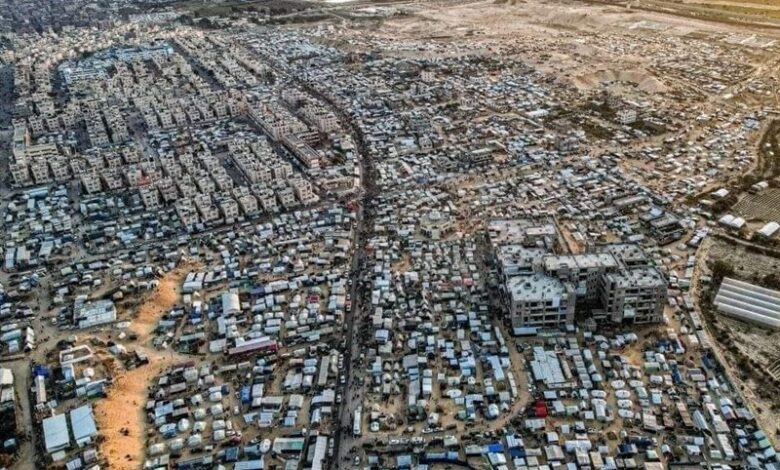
[(772, 281), (721, 269)]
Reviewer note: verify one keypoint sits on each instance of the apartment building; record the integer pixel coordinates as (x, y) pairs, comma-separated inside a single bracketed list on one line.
[(282, 170), (20, 174), (274, 119), (286, 196), (96, 132), (626, 116), (150, 197), (229, 208), (168, 190), (303, 190), (187, 213), (246, 201), (90, 182), (302, 151), (267, 198), (36, 125), (584, 272), (206, 209), (112, 179), (40, 172), (59, 169), (318, 116)]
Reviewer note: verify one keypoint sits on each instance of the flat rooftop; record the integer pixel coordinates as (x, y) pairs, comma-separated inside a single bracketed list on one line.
[(537, 287)]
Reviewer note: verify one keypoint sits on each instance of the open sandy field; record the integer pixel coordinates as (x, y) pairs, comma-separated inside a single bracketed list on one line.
[(764, 206), (123, 411), (163, 299), (765, 5), (494, 19), (120, 417), (543, 28)]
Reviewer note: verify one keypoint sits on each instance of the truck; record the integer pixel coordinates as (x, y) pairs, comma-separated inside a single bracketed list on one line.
[(356, 424)]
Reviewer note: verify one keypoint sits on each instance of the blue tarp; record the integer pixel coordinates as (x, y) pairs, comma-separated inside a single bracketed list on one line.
[(495, 448), (231, 454), (517, 453), (246, 394)]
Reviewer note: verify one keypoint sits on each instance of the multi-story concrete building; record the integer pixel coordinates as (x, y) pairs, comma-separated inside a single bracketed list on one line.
[(96, 132), (229, 208), (246, 201), (286, 197), (303, 190), (584, 272), (91, 183), (20, 173), (275, 118), (282, 170), (267, 198), (206, 209), (633, 296), (615, 283), (302, 151), (540, 301), (59, 169), (187, 213), (40, 172), (150, 197)]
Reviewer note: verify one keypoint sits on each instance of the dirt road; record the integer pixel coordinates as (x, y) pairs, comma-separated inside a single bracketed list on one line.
[(121, 417), (123, 410)]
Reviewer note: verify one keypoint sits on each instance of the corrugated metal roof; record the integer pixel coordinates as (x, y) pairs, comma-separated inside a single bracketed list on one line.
[(55, 433), (83, 423), (249, 465)]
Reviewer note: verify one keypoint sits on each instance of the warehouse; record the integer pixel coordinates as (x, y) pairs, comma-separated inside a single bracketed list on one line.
[(82, 421), (55, 433)]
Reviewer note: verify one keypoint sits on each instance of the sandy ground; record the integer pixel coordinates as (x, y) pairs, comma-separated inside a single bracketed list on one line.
[(164, 298), (761, 5), (123, 409), (641, 78), (551, 19)]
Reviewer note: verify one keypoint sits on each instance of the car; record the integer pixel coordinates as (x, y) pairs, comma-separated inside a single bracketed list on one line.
[(356, 461)]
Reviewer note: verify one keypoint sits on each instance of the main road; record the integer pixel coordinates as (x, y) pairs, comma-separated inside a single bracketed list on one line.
[(354, 369), (352, 390)]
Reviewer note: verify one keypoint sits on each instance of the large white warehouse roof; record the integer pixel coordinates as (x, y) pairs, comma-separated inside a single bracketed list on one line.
[(749, 302)]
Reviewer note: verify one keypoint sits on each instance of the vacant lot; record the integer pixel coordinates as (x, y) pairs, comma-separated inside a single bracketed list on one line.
[(762, 206), (121, 417)]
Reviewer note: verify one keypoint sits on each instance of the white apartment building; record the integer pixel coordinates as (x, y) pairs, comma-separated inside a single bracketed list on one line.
[(91, 183), (150, 197)]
